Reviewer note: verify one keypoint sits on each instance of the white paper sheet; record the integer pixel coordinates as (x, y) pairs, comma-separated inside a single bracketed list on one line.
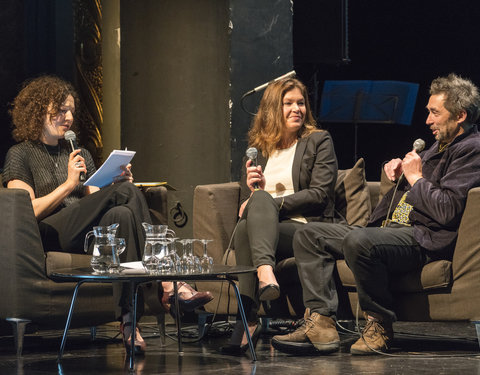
[(111, 168), (133, 265)]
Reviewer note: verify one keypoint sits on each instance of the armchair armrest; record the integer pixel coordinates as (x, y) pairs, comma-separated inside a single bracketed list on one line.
[(157, 199), (215, 210), (21, 251), (466, 258)]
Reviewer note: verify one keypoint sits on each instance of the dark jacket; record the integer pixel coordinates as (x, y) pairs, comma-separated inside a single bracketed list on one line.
[(439, 198), (314, 173)]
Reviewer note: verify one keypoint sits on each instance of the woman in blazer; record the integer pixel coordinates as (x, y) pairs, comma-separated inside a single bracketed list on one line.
[(289, 183)]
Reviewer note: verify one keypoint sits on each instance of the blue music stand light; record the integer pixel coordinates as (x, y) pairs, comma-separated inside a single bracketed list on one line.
[(374, 102)]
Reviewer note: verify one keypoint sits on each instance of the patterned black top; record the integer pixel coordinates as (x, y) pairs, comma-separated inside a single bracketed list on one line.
[(44, 168)]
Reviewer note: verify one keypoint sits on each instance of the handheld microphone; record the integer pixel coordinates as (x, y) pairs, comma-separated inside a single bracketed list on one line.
[(72, 139), (252, 155), (418, 146)]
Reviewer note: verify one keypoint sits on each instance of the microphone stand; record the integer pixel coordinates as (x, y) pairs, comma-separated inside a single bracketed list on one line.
[(248, 93), (262, 87)]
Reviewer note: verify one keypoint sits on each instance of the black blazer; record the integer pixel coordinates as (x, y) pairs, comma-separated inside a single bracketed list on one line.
[(314, 174)]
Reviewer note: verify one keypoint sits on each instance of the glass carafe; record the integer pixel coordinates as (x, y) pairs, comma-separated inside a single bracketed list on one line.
[(155, 248), (102, 255)]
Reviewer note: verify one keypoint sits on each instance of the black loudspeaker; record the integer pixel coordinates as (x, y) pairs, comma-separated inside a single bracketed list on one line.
[(320, 31)]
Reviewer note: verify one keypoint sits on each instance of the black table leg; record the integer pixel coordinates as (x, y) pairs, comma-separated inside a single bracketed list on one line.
[(69, 320), (134, 291), (177, 318), (244, 319)]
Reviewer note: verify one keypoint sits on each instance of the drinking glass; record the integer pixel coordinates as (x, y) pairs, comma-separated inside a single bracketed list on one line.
[(206, 262), (187, 262), (176, 259)]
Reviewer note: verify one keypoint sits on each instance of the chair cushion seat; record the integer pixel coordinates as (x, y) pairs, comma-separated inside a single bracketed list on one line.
[(56, 260), (435, 275)]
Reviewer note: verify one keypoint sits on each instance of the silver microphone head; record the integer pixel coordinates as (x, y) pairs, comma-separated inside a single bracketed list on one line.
[(419, 145), (251, 153), (70, 135)]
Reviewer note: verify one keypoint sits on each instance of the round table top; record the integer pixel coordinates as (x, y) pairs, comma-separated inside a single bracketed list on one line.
[(140, 275)]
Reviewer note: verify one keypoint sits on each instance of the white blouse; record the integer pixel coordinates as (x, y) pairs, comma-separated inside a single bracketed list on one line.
[(278, 175)]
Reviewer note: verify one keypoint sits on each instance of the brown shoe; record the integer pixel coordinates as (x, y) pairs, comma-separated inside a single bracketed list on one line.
[(318, 331), (188, 298), (376, 336), (322, 333)]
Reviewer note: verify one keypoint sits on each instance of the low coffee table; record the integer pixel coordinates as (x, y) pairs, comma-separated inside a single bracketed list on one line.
[(136, 277)]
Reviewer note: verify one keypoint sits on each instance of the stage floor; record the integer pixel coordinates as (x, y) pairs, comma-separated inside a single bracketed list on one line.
[(419, 348)]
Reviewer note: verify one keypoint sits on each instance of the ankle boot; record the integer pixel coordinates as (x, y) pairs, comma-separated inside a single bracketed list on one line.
[(322, 333), (317, 332), (377, 335)]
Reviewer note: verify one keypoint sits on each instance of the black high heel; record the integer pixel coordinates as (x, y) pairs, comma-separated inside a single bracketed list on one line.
[(237, 349)]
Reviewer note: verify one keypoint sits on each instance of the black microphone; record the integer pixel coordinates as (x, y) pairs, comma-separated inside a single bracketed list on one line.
[(72, 138), (252, 155)]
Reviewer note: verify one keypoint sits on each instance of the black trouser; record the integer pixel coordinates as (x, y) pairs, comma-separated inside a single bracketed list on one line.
[(121, 203), (373, 254), (260, 239)]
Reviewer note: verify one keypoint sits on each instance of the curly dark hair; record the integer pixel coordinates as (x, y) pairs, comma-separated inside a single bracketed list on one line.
[(31, 105)]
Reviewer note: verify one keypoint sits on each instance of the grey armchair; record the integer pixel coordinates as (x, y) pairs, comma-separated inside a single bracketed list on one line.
[(28, 296), (441, 291)]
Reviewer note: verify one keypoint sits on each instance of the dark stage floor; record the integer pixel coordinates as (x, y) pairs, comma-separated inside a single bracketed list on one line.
[(419, 348)]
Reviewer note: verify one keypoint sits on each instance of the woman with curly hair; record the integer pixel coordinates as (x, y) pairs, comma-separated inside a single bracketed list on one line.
[(292, 183), (43, 164)]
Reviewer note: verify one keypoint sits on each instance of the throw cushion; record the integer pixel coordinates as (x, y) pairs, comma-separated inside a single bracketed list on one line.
[(352, 197)]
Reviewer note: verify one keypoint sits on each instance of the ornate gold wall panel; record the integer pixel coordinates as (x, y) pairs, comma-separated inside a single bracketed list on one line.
[(89, 75)]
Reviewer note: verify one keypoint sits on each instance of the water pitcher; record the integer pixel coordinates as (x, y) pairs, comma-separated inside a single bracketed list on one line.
[(104, 253), (155, 248)]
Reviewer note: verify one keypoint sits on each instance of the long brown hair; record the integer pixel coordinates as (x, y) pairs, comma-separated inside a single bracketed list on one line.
[(31, 105), (269, 124)]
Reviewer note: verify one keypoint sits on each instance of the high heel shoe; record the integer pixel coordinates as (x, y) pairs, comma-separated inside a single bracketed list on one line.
[(268, 288), (237, 349), (269, 292), (140, 344)]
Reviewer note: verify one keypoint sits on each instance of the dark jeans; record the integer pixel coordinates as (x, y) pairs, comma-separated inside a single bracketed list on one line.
[(121, 203), (260, 239), (373, 254)]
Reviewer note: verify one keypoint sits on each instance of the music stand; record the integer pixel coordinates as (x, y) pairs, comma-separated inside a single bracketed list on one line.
[(374, 102)]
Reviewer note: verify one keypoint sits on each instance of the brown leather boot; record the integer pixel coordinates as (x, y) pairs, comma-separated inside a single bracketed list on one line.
[(297, 336), (317, 330), (376, 336), (322, 333)]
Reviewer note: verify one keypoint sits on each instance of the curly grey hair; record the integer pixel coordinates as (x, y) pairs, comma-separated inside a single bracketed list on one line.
[(460, 95)]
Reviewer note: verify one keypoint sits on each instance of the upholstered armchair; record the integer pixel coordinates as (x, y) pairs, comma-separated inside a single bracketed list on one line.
[(215, 210), (30, 300), (442, 290)]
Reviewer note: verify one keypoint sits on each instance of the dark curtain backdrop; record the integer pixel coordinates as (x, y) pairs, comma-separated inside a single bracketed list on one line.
[(410, 40), (37, 38)]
